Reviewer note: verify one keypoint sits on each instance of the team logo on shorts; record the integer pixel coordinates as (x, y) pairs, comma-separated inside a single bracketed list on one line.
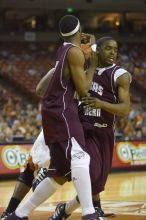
[(79, 155)]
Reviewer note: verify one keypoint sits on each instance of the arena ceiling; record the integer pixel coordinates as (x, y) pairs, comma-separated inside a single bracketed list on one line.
[(98, 5)]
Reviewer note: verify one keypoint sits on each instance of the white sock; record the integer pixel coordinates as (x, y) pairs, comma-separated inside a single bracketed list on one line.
[(82, 182), (43, 191), (71, 206)]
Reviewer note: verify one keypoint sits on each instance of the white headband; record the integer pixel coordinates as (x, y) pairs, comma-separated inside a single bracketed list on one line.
[(72, 32)]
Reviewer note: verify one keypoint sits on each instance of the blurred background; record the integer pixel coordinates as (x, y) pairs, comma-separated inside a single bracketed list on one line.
[(28, 41)]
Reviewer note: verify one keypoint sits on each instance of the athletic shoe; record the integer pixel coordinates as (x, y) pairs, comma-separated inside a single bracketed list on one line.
[(109, 215), (4, 215), (93, 216), (59, 213), (13, 216), (104, 215)]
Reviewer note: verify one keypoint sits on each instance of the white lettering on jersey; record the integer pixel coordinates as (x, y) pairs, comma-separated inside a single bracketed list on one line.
[(97, 88), (92, 112)]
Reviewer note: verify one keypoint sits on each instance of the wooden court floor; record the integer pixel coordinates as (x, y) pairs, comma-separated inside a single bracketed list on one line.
[(125, 195)]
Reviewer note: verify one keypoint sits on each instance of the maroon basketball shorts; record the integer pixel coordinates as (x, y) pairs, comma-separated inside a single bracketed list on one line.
[(66, 155), (100, 144)]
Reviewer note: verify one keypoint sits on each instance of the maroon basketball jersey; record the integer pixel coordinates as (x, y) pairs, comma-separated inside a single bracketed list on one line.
[(59, 108), (104, 88)]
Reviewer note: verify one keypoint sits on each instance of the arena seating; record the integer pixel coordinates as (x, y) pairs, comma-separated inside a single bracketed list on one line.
[(22, 65)]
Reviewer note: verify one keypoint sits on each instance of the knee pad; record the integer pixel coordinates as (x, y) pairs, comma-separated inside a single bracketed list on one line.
[(26, 176)]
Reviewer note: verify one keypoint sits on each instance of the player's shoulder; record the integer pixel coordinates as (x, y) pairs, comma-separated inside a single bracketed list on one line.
[(75, 52), (75, 49), (120, 72)]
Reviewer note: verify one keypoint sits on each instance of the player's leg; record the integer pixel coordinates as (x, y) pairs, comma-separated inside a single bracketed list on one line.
[(24, 182), (23, 185), (63, 210), (98, 207), (80, 161), (19, 193), (48, 186), (105, 146), (80, 164), (43, 191)]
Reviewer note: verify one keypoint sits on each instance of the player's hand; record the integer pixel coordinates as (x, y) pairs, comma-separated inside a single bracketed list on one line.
[(92, 102), (87, 39)]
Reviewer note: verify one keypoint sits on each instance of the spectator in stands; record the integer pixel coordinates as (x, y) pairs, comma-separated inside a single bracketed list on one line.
[(143, 131), (6, 134)]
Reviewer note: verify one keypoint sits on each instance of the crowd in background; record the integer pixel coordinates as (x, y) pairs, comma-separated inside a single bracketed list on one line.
[(20, 120), (133, 58), (132, 127)]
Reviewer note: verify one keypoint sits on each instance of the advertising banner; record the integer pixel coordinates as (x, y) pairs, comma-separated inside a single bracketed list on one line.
[(127, 154), (13, 157)]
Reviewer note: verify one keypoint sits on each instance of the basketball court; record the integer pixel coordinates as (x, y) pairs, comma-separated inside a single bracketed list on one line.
[(125, 195)]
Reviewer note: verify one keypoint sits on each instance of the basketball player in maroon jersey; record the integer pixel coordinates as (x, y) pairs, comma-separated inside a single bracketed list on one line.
[(109, 96), (25, 178), (69, 207), (97, 203), (62, 128)]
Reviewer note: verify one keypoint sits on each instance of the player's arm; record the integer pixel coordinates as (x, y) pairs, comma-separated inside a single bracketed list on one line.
[(44, 82), (76, 62), (122, 108)]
